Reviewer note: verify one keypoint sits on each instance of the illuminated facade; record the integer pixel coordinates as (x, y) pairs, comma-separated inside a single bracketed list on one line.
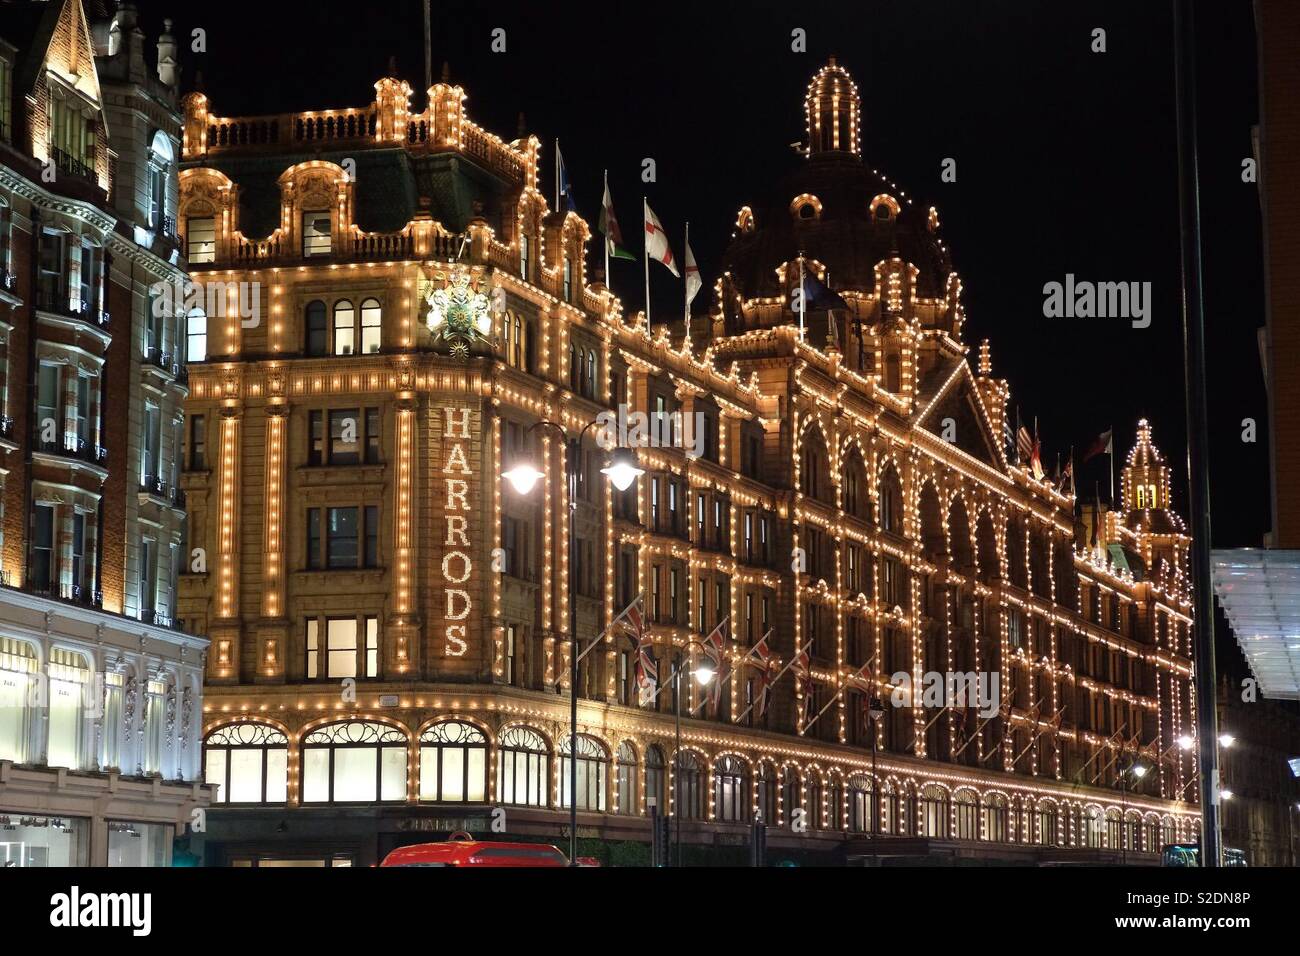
[(389, 619), (100, 688)]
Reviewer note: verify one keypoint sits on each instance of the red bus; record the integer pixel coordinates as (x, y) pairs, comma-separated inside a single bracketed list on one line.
[(463, 850)]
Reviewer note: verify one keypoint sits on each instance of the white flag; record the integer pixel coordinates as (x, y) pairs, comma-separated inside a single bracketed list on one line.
[(693, 282), (656, 243)]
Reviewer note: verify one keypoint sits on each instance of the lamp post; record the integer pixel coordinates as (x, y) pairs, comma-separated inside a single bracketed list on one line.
[(703, 674), (622, 471), (1138, 770), (875, 710)]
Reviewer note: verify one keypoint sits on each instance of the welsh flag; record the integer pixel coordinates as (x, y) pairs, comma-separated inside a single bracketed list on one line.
[(656, 241), (610, 230)]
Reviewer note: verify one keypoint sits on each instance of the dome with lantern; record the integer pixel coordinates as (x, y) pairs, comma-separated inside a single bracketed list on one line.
[(844, 217)]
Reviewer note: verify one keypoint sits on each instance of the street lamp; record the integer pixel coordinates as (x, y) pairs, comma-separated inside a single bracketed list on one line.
[(875, 710), (1138, 770), (1226, 740), (523, 476), (703, 673)]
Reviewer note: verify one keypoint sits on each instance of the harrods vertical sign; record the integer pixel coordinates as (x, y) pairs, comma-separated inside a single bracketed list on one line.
[(456, 590)]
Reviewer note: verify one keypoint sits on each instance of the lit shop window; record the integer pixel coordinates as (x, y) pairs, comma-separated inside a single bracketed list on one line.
[(354, 762), (70, 675), (592, 766), (344, 652), (43, 841), (248, 763), (155, 725), (110, 745), (731, 789), (688, 789), (139, 844), (453, 763), (523, 768), (17, 672), (626, 778)]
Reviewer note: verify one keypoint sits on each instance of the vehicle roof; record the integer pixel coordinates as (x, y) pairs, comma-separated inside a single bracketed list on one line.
[(462, 848)]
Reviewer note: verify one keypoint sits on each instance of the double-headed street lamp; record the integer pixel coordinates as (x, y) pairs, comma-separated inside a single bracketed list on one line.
[(523, 476)]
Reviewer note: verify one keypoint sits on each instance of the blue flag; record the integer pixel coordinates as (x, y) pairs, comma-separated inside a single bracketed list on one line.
[(816, 296), (566, 190)]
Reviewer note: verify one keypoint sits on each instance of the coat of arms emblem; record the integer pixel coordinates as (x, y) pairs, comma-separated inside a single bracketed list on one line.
[(458, 315)]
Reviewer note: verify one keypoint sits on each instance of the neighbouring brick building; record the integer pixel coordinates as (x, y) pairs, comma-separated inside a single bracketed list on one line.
[(389, 620), (100, 688)]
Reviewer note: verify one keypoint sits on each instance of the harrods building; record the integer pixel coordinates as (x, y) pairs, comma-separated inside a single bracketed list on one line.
[(389, 619)]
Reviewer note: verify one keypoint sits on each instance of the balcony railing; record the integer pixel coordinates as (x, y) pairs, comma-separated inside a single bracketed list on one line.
[(72, 166), (57, 301), (152, 485), (78, 594), (79, 449), (6, 426), (160, 359), (8, 281)]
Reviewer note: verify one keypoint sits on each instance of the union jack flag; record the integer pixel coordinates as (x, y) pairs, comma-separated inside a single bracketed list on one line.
[(716, 652), (807, 686), (760, 656), (646, 671)]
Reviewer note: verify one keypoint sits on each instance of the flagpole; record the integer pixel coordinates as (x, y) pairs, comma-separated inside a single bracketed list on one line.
[(779, 675), (557, 174), (686, 296), (645, 255), (606, 237), (1112, 466)]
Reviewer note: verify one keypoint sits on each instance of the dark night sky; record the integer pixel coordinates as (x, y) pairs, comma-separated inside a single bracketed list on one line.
[(1065, 160)]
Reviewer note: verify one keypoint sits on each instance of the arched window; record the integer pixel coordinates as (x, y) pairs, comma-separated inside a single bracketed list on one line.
[(317, 334), (655, 791), (1048, 820), (453, 763), (934, 811), (731, 789), (816, 805), (593, 766), (371, 322), (1093, 828), (807, 211), (966, 805), (345, 328), (835, 803), (568, 280), (69, 683), (626, 780), (689, 786), (897, 810), (765, 790), (861, 792), (248, 763), (196, 335), (1114, 829), (994, 812), (891, 502), (591, 374), (523, 768), (18, 664), (575, 367), (354, 762)]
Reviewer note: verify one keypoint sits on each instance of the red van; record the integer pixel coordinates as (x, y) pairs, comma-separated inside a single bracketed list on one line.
[(464, 850)]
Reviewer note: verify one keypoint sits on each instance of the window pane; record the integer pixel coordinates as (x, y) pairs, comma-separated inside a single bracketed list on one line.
[(477, 790), (277, 775), (315, 775), (246, 775), (342, 529), (344, 328), (354, 773), (65, 724), (453, 773), (215, 772), (394, 773)]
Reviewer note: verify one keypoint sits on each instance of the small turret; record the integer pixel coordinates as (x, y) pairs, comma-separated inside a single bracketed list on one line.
[(833, 112), (169, 68)]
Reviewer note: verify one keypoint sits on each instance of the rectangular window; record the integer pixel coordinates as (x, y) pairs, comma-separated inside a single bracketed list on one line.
[(43, 547), (51, 287), (371, 325), (511, 649), (313, 648), (341, 647), (198, 443), (316, 233), (49, 417), (524, 257), (345, 437), (201, 239), (341, 532), (196, 336), (150, 447), (313, 539), (148, 585), (672, 595), (372, 536), (373, 447), (79, 566), (372, 647), (83, 410)]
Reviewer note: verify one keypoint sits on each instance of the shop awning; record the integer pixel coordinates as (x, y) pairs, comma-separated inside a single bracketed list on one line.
[(1260, 593)]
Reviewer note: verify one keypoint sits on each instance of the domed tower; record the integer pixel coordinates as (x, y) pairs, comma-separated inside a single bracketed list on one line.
[(860, 235), (833, 112), (1144, 498)]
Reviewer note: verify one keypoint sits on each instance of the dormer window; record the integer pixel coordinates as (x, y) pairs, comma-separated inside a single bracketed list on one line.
[(316, 233), (806, 207), (71, 132)]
